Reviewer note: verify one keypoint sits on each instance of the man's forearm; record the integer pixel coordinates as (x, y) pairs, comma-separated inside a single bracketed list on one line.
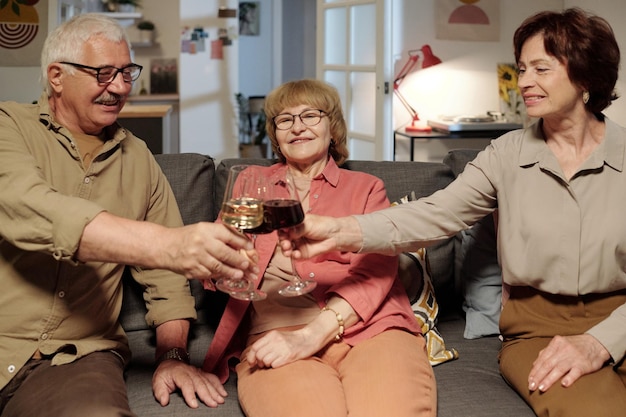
[(171, 334), (108, 238)]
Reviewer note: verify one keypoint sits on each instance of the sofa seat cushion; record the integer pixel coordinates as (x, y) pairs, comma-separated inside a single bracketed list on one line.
[(139, 378), (472, 385)]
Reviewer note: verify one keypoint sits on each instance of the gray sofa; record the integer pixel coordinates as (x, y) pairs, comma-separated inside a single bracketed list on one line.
[(468, 386)]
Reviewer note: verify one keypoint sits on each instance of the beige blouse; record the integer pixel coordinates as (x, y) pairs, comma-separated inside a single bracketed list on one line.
[(559, 236)]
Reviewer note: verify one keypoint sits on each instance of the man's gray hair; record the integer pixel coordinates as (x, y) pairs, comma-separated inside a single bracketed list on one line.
[(65, 43)]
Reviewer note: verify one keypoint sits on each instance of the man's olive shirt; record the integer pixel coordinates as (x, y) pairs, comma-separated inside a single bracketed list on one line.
[(48, 301)]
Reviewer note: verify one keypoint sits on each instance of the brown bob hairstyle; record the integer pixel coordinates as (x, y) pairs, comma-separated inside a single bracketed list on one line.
[(584, 43), (318, 95)]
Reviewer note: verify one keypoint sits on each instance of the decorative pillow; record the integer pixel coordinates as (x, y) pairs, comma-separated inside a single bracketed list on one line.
[(417, 281), (426, 311), (481, 279)]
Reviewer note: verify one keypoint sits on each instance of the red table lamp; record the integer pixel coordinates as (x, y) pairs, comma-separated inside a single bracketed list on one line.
[(428, 60)]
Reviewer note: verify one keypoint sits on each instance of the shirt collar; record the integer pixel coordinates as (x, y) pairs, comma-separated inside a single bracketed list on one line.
[(330, 173), (610, 151)]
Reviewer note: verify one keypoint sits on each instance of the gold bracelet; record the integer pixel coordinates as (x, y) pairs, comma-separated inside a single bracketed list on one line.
[(340, 323)]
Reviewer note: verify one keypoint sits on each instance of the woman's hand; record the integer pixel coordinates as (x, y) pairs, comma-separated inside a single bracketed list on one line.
[(566, 358), (321, 234), (281, 347)]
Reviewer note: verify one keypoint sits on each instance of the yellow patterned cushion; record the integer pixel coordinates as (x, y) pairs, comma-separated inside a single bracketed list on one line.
[(417, 281), (426, 310)]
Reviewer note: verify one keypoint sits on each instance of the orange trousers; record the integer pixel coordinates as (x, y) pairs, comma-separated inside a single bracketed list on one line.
[(387, 375), (528, 322)]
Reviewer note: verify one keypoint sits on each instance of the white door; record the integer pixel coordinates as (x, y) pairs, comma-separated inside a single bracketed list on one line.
[(353, 45)]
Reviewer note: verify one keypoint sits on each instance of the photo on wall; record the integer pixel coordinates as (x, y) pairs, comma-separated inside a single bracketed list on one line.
[(249, 18)]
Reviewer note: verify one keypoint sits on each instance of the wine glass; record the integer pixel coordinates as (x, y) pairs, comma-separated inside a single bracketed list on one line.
[(282, 210), (242, 209)]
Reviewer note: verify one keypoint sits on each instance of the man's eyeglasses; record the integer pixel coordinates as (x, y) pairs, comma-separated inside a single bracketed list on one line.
[(107, 74), (308, 117)]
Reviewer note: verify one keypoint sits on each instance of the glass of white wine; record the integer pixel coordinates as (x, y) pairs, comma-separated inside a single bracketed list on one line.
[(242, 209)]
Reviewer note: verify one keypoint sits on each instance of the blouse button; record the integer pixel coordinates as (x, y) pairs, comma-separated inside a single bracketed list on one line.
[(61, 294), (87, 180), (11, 369), (316, 196), (311, 275), (44, 336)]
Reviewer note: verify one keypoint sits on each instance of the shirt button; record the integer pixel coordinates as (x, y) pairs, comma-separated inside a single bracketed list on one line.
[(311, 275), (316, 196), (61, 294), (87, 180), (44, 336), (11, 369)]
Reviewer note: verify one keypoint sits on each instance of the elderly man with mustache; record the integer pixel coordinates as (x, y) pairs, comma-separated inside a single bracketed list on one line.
[(81, 198)]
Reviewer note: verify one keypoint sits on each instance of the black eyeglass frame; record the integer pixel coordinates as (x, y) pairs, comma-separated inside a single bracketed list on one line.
[(109, 67), (293, 118)]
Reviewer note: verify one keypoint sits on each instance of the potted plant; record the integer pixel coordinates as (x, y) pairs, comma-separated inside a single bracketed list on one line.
[(146, 31), (123, 6)]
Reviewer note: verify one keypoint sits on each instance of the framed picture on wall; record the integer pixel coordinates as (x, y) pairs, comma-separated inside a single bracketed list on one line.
[(23, 29), (249, 18), (467, 20)]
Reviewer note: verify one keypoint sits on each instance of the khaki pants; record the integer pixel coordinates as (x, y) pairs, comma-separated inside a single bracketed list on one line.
[(528, 322), (388, 375), (91, 386)]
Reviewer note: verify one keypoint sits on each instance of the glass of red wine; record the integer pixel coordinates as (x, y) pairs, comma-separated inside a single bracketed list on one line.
[(283, 210), (242, 209)]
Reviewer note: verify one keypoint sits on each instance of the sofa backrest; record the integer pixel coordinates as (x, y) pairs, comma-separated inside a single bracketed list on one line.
[(198, 185)]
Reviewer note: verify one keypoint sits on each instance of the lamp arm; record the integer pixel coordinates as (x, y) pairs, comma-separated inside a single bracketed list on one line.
[(407, 106), (406, 69)]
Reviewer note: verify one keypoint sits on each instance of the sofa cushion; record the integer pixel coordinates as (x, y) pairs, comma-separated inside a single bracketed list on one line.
[(477, 266), (481, 278), (191, 177)]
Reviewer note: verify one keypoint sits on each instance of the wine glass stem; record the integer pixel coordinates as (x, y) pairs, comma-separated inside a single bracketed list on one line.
[(297, 280)]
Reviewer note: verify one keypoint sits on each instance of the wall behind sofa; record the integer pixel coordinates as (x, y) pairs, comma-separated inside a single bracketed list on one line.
[(466, 81)]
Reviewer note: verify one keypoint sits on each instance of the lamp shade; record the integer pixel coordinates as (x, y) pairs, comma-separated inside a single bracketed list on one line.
[(429, 58)]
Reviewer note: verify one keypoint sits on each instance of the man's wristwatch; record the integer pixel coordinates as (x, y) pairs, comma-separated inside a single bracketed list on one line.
[(177, 353)]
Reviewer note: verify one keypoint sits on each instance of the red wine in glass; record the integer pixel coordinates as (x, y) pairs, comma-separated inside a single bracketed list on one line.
[(282, 213)]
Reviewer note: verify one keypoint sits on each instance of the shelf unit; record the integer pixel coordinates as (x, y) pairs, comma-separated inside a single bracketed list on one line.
[(125, 19)]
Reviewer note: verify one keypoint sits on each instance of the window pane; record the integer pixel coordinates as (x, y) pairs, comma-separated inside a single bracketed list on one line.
[(361, 149), (335, 37), (363, 51), (338, 79), (362, 118)]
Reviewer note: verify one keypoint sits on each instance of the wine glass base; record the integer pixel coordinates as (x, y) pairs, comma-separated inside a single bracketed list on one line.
[(229, 285), (294, 289), (253, 295)]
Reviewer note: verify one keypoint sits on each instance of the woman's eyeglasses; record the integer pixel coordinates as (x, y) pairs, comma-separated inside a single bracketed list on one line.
[(308, 118)]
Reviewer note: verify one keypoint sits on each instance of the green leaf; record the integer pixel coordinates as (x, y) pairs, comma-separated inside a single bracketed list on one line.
[(16, 8)]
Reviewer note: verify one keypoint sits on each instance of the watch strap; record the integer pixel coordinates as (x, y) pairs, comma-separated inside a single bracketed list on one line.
[(177, 353)]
